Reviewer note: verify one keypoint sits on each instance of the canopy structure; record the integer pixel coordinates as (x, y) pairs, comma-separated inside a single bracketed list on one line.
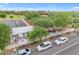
[(19, 30)]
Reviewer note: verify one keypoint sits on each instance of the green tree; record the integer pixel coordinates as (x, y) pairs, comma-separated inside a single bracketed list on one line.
[(61, 19), (37, 33), (11, 16), (74, 19), (51, 14), (5, 32), (43, 22), (2, 15), (29, 15)]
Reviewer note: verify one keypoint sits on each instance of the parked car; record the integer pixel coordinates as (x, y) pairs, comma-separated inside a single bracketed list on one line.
[(43, 46), (54, 29), (24, 52), (61, 40)]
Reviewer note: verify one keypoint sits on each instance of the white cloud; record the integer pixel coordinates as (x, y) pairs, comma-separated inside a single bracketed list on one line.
[(6, 3), (1, 5), (75, 7)]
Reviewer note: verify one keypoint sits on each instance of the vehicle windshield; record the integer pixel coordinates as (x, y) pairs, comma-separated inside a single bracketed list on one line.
[(23, 51), (27, 49), (42, 45), (61, 39)]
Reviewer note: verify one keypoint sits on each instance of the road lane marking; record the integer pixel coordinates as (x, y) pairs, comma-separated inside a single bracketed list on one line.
[(65, 48)]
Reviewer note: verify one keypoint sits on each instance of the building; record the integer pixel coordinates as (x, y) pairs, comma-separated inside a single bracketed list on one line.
[(19, 28)]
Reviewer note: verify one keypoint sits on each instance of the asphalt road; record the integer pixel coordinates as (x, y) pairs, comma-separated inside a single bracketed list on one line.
[(74, 50), (73, 40)]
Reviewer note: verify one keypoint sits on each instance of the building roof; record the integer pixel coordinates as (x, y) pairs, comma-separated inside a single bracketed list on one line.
[(19, 30), (14, 23)]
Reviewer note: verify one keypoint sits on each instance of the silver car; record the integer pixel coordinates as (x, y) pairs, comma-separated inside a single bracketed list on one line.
[(24, 52), (61, 40), (43, 46)]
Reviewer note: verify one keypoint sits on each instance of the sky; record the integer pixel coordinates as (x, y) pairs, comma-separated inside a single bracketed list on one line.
[(40, 6)]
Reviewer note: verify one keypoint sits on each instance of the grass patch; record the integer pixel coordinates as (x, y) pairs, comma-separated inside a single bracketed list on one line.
[(14, 17)]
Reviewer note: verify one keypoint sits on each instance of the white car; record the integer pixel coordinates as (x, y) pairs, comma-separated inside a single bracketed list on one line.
[(61, 40), (43, 46), (23, 52)]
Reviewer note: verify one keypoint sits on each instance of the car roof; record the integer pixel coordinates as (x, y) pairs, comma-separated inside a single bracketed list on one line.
[(62, 38), (46, 42), (22, 51)]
